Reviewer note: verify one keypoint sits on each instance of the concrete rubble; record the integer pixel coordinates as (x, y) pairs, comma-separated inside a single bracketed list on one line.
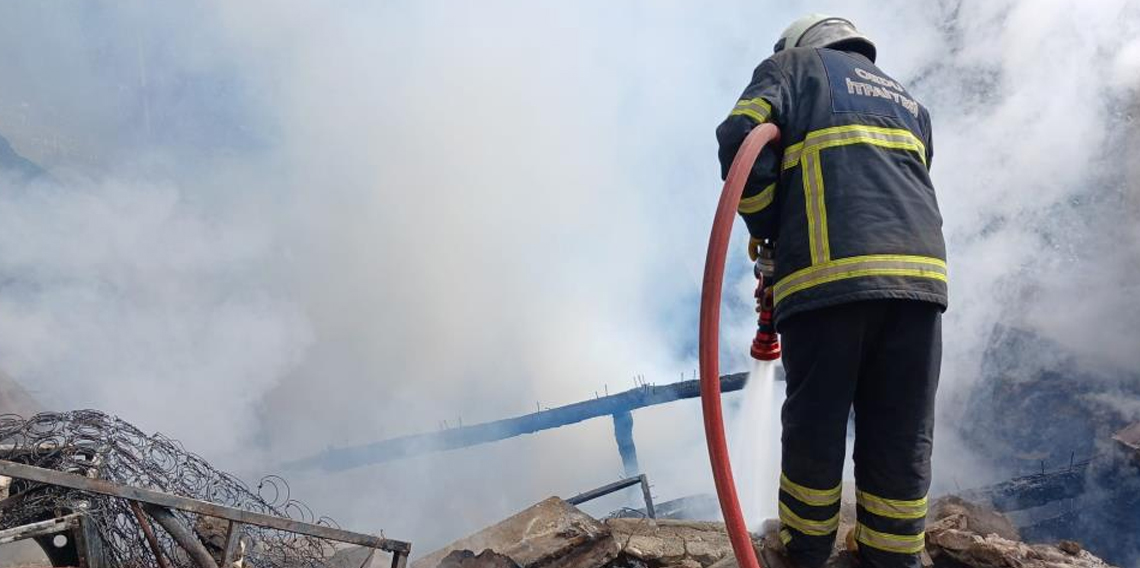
[(670, 543), (485, 559), (553, 533), (962, 534)]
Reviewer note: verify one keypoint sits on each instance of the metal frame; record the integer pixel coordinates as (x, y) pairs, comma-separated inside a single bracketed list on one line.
[(154, 501), (81, 549), (614, 488), (33, 530)]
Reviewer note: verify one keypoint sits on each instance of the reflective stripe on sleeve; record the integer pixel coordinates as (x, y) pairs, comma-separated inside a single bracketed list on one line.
[(898, 543), (757, 109), (758, 202), (892, 508), (858, 266), (809, 496), (808, 526)]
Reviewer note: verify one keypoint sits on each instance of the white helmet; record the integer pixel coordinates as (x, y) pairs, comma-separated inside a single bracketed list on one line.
[(818, 30)]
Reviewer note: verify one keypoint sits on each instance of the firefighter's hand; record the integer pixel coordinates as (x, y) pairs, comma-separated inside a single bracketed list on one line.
[(754, 248)]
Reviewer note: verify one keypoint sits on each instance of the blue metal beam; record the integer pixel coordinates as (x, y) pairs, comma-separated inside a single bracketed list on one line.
[(339, 459), (623, 431)]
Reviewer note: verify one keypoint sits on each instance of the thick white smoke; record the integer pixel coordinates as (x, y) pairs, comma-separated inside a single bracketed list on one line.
[(279, 229), (129, 298)]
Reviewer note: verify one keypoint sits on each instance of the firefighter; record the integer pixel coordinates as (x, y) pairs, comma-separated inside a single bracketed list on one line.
[(860, 285)]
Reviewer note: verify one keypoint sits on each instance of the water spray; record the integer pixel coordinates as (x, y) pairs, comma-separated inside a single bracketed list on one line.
[(709, 344)]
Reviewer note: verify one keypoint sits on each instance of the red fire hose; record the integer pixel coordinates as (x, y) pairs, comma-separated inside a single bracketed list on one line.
[(710, 341)]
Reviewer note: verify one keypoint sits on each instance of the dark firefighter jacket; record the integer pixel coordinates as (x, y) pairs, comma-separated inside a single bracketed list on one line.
[(848, 199)]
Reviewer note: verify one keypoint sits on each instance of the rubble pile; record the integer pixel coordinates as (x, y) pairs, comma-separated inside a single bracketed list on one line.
[(1064, 429), (960, 534), (963, 534)]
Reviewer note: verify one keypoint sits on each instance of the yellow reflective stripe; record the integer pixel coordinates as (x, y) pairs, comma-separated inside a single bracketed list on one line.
[(822, 220), (792, 155), (809, 496), (750, 114), (859, 266), (899, 543), (896, 138), (892, 508), (757, 109), (811, 190), (758, 202), (897, 144), (785, 536), (807, 526), (807, 154)]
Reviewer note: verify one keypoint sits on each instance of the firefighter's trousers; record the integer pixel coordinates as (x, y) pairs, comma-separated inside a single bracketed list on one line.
[(881, 357)]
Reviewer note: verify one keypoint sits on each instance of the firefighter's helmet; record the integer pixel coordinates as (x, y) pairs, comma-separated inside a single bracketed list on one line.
[(818, 30)]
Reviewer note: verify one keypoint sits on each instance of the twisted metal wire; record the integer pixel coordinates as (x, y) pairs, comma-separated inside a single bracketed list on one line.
[(94, 444)]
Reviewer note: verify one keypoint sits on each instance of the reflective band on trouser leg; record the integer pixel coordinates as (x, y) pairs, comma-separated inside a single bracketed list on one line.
[(757, 109), (896, 138), (897, 543), (808, 511), (785, 536), (891, 508), (809, 527), (808, 496), (758, 202), (859, 266)]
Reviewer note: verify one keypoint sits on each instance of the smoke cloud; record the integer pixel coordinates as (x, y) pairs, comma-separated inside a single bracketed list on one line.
[(271, 230)]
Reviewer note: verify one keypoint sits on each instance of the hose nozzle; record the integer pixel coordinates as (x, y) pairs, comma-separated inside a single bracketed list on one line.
[(766, 344), (765, 347)]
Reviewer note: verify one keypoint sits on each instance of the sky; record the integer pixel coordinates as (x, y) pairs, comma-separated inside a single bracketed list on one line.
[(273, 229)]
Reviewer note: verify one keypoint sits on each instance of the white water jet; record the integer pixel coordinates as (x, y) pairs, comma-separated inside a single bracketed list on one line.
[(754, 444)]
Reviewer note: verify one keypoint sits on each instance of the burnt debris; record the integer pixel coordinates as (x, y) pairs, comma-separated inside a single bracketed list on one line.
[(128, 499), (1049, 419)]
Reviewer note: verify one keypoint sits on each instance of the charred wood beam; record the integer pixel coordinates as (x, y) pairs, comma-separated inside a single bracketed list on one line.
[(233, 541), (182, 535), (338, 459), (1032, 490), (148, 533)]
